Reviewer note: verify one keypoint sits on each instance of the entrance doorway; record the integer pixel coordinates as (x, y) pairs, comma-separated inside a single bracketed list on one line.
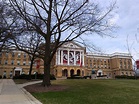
[(71, 72), (65, 72), (78, 72), (17, 73), (99, 72)]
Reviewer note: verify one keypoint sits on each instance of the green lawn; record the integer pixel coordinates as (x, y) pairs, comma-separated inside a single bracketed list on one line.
[(93, 92)]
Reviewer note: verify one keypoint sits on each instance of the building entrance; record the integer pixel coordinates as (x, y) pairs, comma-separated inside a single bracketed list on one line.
[(17, 73)]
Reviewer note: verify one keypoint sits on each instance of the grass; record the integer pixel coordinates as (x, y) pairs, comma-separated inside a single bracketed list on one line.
[(93, 92)]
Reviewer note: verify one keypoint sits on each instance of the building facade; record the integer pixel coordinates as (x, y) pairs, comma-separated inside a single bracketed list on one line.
[(70, 59)]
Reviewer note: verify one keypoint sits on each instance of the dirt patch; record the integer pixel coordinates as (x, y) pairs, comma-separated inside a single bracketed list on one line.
[(40, 88)]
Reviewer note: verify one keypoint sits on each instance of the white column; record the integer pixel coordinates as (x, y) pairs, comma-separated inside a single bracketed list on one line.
[(80, 57), (68, 57), (61, 57), (74, 58), (83, 57), (58, 57)]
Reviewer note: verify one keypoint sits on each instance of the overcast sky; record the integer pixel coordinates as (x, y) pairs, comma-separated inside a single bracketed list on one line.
[(127, 18)]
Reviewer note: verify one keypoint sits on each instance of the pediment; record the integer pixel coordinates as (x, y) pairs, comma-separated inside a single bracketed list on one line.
[(71, 45)]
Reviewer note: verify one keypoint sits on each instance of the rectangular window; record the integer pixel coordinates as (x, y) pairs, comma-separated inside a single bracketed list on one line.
[(90, 65), (19, 55), (6, 62), (24, 55), (7, 54), (13, 54), (18, 62), (12, 62), (24, 63), (29, 63)]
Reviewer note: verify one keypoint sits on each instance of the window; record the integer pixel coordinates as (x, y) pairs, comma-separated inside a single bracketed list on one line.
[(12, 62), (128, 66), (98, 66), (18, 62), (122, 73), (29, 63), (6, 62), (19, 55), (0, 54), (90, 65), (24, 55), (7, 54), (13, 54), (24, 62)]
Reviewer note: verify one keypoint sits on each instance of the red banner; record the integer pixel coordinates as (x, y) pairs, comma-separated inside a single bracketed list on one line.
[(65, 56), (37, 64), (77, 56), (137, 63), (71, 57)]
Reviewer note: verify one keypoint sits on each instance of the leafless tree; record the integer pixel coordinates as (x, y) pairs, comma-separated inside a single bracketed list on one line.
[(8, 19), (130, 45), (60, 21), (29, 42)]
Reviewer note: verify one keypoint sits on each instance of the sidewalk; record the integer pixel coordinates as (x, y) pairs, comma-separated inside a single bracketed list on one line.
[(10, 93)]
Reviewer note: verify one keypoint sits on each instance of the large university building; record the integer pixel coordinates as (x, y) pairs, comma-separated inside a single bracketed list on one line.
[(70, 59)]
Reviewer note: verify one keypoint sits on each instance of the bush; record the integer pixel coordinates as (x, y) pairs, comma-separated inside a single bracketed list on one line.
[(33, 76), (121, 76), (75, 77), (85, 77), (126, 77), (102, 76)]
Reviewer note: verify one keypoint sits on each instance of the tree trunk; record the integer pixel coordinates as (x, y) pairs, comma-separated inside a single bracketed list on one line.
[(47, 62), (47, 56), (30, 70), (46, 77)]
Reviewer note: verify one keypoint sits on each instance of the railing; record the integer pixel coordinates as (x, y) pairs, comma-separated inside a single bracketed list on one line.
[(109, 55)]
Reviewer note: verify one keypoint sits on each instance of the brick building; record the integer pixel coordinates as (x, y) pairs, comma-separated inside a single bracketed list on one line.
[(70, 59)]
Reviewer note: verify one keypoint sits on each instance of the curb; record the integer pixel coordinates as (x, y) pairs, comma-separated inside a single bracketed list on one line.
[(1, 84), (30, 97)]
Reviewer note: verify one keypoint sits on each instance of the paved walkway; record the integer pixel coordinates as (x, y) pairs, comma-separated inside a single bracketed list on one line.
[(10, 93)]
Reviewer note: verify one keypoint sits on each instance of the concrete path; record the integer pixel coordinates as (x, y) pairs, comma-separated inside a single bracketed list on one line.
[(10, 93)]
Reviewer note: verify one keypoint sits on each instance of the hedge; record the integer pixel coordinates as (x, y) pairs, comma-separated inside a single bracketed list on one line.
[(38, 76), (126, 77)]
